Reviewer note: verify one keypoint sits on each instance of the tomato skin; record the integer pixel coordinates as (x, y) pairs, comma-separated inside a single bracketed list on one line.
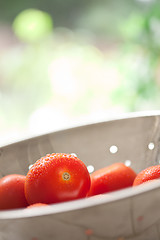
[(150, 173), (114, 177), (12, 192), (57, 178)]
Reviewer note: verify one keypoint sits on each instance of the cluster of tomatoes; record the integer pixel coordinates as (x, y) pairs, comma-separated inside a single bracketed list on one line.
[(60, 177)]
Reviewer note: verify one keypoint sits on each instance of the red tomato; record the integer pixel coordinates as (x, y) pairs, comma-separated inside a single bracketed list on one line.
[(37, 205), (57, 178), (12, 192), (111, 178), (147, 174)]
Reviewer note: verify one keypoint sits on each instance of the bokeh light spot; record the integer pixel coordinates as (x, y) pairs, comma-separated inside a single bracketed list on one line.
[(32, 25)]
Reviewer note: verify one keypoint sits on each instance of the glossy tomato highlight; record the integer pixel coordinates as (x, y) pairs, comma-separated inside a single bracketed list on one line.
[(12, 192), (57, 178)]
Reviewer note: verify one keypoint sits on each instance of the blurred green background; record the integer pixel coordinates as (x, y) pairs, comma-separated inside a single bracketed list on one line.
[(67, 62)]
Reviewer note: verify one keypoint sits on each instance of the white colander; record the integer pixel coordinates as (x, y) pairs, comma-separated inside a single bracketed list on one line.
[(132, 213)]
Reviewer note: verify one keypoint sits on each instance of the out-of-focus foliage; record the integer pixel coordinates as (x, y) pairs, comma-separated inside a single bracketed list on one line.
[(32, 25), (139, 60)]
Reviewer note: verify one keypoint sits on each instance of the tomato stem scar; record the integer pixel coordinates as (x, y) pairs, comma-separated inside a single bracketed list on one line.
[(66, 176)]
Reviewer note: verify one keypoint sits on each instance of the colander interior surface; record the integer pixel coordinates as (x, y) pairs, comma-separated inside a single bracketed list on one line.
[(126, 214)]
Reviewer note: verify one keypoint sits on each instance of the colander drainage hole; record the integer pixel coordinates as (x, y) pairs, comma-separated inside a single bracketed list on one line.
[(74, 154), (30, 166), (113, 149), (151, 146), (90, 168), (127, 163)]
